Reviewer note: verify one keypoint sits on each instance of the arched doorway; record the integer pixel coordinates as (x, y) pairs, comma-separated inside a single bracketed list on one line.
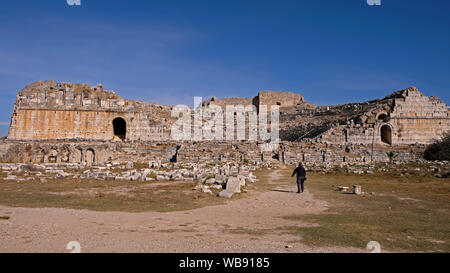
[(120, 128), (78, 155), (386, 134), (90, 156)]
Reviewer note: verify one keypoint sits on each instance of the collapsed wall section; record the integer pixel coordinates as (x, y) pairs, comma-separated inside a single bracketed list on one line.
[(402, 118), (66, 122)]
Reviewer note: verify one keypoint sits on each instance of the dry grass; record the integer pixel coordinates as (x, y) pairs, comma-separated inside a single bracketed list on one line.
[(242, 230), (105, 195), (410, 214), (406, 213), (140, 165)]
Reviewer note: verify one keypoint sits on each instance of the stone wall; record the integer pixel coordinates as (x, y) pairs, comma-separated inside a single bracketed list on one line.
[(200, 152), (38, 124), (80, 123), (411, 118), (417, 118), (46, 110), (88, 152), (283, 99)]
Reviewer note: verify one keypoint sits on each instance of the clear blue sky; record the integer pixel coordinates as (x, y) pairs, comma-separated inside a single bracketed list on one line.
[(331, 51)]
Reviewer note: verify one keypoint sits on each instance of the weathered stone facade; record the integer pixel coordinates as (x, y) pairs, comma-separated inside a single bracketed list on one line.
[(283, 99), (404, 117), (75, 123), (50, 111), (96, 152)]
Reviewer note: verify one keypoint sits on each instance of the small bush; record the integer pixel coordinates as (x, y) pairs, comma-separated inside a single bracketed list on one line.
[(392, 156), (440, 150)]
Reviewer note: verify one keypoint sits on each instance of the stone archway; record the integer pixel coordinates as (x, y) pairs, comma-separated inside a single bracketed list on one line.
[(53, 155), (90, 156), (78, 155), (383, 117), (120, 129), (386, 134)]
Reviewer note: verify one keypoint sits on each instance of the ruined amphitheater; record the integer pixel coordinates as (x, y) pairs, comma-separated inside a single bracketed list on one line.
[(78, 123)]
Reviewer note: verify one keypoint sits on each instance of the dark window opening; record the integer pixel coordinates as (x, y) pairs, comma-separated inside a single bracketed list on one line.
[(383, 117), (175, 156), (120, 128), (386, 134)]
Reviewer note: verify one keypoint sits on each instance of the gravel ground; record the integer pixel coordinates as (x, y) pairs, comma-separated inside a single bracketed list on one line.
[(252, 224)]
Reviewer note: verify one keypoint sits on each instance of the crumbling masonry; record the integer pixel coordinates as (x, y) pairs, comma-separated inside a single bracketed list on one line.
[(75, 123)]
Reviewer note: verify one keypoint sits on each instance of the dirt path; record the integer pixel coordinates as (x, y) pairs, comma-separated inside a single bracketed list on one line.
[(252, 224)]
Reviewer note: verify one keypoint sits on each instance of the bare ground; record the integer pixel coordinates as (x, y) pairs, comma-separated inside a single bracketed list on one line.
[(257, 223)]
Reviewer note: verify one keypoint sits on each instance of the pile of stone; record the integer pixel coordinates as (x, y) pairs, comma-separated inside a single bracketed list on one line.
[(227, 178)]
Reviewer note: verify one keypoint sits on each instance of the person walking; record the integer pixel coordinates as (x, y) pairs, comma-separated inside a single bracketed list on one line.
[(301, 177)]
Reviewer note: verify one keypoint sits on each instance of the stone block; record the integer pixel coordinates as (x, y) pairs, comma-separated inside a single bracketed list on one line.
[(233, 185)]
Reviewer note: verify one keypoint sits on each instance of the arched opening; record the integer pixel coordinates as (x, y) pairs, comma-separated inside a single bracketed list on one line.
[(66, 154), (53, 156), (78, 155), (383, 117), (386, 134), (120, 128), (90, 156)]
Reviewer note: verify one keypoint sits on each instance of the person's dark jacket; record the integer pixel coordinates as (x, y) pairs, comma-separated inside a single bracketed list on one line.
[(301, 173)]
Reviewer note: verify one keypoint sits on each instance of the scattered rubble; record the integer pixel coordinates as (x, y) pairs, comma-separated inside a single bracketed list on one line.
[(229, 177)]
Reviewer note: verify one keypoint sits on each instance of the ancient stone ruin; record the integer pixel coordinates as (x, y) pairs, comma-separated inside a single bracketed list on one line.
[(78, 123)]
